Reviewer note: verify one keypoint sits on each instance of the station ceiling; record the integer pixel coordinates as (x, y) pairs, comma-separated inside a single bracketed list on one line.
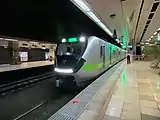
[(139, 18)]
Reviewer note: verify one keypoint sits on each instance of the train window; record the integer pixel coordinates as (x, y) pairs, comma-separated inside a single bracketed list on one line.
[(101, 51), (75, 49)]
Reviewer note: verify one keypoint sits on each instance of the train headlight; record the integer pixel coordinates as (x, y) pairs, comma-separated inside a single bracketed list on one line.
[(82, 39), (63, 70), (63, 40)]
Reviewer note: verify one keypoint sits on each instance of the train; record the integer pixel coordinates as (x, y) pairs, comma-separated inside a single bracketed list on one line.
[(81, 59)]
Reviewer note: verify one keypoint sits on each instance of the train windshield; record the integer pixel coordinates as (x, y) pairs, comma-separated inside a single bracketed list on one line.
[(74, 49)]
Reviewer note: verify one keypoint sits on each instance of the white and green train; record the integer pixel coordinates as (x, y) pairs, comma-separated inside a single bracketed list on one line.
[(79, 60)]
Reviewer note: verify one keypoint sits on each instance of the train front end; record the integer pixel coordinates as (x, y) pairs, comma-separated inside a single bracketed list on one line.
[(69, 60)]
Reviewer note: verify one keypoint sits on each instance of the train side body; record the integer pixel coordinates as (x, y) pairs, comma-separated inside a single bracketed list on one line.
[(95, 62)]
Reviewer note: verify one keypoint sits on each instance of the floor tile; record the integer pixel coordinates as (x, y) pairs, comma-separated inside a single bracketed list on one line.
[(88, 115), (147, 103), (115, 107), (149, 117), (141, 86), (107, 117), (150, 111), (147, 97), (131, 106), (131, 114)]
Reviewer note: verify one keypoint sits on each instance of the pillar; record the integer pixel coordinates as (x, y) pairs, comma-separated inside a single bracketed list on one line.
[(14, 52)]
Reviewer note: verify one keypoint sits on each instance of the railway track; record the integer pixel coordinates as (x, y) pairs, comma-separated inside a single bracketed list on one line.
[(25, 82)]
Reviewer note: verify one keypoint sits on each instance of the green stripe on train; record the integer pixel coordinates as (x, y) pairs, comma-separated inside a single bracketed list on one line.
[(92, 67)]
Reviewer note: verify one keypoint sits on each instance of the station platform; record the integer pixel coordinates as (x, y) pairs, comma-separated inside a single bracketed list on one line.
[(125, 92), (7, 67)]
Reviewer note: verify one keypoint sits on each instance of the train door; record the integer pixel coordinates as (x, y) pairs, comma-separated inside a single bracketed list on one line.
[(103, 57), (110, 56)]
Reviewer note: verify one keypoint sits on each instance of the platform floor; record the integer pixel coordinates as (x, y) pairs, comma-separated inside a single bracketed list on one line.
[(137, 95), (25, 65)]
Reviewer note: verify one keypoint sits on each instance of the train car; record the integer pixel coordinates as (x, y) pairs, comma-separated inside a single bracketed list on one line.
[(79, 60)]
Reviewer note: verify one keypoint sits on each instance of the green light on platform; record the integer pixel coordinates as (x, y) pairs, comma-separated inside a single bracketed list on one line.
[(124, 78), (158, 84), (72, 40), (125, 38), (123, 46)]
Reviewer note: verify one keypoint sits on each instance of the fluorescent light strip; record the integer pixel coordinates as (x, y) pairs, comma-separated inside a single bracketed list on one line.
[(109, 32), (102, 25), (8, 39), (155, 33), (88, 11), (82, 5), (93, 16)]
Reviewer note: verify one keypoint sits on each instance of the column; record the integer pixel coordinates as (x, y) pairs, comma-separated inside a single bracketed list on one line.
[(14, 52)]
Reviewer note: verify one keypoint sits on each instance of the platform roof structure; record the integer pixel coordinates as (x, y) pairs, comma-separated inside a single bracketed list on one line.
[(135, 20)]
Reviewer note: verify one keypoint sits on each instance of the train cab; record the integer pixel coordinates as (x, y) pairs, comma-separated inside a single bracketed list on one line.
[(69, 57)]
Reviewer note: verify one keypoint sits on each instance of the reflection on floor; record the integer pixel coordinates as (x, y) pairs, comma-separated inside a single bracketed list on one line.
[(137, 95)]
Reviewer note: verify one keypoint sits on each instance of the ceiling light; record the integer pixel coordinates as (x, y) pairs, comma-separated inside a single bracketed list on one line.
[(152, 36), (88, 11), (158, 29), (43, 48), (93, 16), (8, 39), (155, 33), (102, 25), (109, 32), (146, 43), (82, 5)]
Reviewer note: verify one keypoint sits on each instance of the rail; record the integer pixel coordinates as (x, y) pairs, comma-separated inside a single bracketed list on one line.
[(21, 83)]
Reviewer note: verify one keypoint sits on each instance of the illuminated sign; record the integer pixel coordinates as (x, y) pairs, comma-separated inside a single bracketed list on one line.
[(72, 40)]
